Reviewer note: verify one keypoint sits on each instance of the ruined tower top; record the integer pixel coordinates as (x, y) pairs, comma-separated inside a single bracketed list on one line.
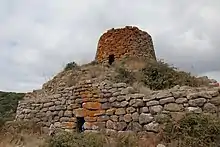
[(119, 43)]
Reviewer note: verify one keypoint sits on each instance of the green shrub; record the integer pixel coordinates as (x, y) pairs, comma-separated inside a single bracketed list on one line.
[(159, 75), (2, 122), (8, 105), (194, 130), (67, 139), (71, 66), (124, 76)]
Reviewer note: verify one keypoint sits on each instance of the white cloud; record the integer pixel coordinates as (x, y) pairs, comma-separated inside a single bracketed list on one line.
[(38, 37)]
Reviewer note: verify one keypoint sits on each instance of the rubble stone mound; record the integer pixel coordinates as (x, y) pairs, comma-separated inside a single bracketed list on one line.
[(81, 100)]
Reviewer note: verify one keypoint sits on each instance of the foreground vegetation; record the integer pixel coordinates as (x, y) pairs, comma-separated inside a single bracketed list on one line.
[(67, 139), (8, 105), (193, 130)]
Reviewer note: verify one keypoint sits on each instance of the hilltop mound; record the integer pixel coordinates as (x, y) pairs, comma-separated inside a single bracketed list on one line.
[(124, 89), (155, 75)]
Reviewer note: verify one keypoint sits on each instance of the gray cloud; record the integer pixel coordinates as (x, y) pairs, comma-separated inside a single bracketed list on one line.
[(38, 38)]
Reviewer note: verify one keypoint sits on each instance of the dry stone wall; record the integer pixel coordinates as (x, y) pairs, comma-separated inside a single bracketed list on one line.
[(125, 42), (117, 107)]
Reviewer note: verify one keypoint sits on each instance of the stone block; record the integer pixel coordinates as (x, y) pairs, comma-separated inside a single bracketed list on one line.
[(105, 106), (130, 110), (68, 125), (114, 118), (208, 107), (92, 105), (144, 110), (215, 101), (120, 111), (156, 109), (124, 104), (121, 126), (121, 98), (194, 110), (167, 100), (110, 111), (46, 105), (134, 126), (145, 118), (127, 118), (152, 127), (112, 99), (110, 124), (197, 102), (181, 100), (152, 103), (163, 94), (135, 116), (103, 118), (68, 113), (173, 107)]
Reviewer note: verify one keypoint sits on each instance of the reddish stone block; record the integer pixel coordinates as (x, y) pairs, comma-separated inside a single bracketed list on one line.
[(92, 105)]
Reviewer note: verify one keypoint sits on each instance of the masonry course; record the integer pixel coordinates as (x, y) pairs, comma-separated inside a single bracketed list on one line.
[(105, 106)]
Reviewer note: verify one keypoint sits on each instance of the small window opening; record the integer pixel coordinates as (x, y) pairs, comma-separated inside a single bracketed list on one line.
[(80, 124), (111, 59)]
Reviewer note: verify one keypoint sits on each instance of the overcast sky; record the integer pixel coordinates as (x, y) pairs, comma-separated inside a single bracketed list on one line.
[(38, 37)]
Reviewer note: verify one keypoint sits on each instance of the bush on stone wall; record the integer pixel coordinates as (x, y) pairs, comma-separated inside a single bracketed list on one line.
[(160, 75), (124, 76), (194, 130), (157, 76), (70, 66)]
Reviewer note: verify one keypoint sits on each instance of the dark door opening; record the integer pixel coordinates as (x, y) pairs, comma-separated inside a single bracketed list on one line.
[(80, 124), (111, 59)]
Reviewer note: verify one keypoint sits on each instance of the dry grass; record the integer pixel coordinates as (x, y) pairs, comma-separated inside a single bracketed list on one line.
[(27, 134), (71, 79), (65, 139), (192, 131), (23, 140), (141, 88), (95, 71), (133, 63)]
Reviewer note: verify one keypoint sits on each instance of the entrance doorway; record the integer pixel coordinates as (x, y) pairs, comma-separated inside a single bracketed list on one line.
[(111, 59), (79, 124)]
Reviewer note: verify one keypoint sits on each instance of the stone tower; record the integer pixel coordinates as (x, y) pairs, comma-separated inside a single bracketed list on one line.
[(119, 43)]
